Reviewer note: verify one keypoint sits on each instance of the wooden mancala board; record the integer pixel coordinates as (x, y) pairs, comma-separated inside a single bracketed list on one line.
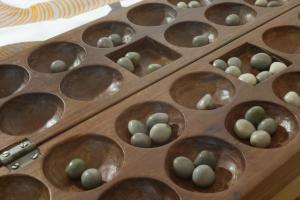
[(243, 171), (38, 104)]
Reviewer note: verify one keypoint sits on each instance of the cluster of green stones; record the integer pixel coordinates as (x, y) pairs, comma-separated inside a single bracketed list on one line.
[(233, 20), (260, 61), (191, 4), (112, 40), (156, 130), (256, 127), (206, 103), (132, 59), (268, 3), (201, 171), (58, 66), (292, 98), (90, 178)]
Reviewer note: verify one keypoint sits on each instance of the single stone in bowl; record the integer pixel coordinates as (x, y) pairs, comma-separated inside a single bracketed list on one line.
[(234, 61), (91, 178), (141, 140), (221, 64), (206, 158), (200, 40), (126, 63), (105, 42), (136, 126), (116, 39), (292, 98), (203, 176), (255, 115), (263, 76), (234, 71), (75, 168), (260, 139), (183, 167), (269, 125), (248, 78), (194, 4), (157, 118), (261, 3), (261, 61), (274, 4), (243, 129), (205, 103), (277, 67), (233, 20), (182, 4), (58, 66), (135, 57), (160, 133), (153, 67)]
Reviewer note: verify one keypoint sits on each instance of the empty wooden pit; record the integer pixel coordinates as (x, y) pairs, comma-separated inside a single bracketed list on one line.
[(152, 14), (141, 189), (12, 79), (284, 39), (20, 187), (88, 82), (29, 113)]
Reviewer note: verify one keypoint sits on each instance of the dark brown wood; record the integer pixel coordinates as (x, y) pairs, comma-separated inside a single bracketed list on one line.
[(243, 172), (94, 81)]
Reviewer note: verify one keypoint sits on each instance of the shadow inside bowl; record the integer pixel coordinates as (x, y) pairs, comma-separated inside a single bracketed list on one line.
[(284, 39), (21, 187), (31, 112), (141, 189), (152, 14), (88, 82), (12, 79)]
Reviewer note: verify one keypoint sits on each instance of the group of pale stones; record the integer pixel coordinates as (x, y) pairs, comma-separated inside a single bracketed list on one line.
[(260, 61), (132, 59), (89, 177), (156, 131), (257, 127), (268, 3), (200, 171)]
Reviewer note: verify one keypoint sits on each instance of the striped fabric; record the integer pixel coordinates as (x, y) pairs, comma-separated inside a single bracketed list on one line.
[(50, 10)]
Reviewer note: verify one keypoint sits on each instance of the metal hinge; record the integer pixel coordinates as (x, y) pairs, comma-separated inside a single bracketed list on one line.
[(19, 155)]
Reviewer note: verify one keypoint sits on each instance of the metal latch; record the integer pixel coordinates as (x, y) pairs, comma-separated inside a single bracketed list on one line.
[(19, 155)]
